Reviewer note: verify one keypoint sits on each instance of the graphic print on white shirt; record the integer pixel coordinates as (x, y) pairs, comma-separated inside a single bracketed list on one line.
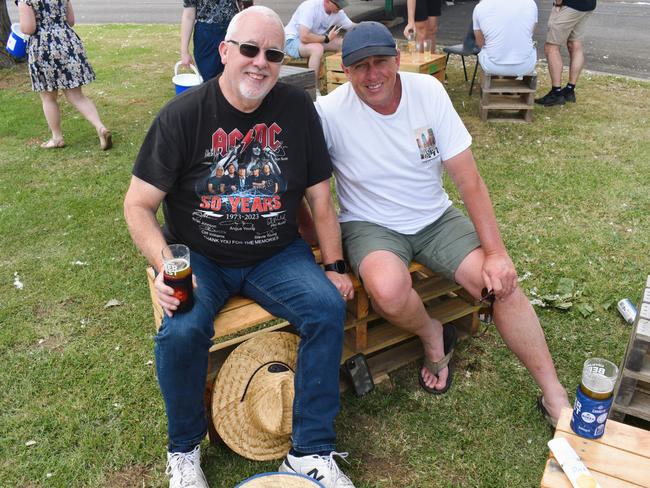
[(426, 143)]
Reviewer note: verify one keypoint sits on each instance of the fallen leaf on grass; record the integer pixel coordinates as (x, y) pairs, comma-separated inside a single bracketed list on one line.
[(566, 294), (585, 309), (112, 303)]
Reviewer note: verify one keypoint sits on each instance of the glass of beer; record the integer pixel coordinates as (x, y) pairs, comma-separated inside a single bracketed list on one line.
[(177, 273)]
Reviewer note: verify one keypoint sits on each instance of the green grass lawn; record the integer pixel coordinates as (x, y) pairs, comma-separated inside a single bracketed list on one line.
[(77, 379)]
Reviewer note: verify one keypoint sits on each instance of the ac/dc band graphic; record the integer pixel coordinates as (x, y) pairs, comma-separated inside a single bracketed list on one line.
[(242, 194)]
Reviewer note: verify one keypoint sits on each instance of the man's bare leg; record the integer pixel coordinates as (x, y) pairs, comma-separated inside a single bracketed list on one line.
[(517, 322), (576, 60), (403, 308), (314, 52), (554, 60)]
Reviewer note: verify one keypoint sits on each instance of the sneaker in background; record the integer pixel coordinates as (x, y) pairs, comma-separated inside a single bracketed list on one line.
[(551, 98), (569, 95), (184, 469), (322, 468)]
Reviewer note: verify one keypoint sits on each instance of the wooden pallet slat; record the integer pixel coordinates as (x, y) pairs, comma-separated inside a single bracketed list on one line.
[(632, 390), (620, 458)]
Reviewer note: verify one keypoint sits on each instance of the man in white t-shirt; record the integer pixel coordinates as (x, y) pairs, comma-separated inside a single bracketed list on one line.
[(389, 135), (314, 28), (504, 32)]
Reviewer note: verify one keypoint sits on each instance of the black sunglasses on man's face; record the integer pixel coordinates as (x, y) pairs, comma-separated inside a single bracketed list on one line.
[(251, 50)]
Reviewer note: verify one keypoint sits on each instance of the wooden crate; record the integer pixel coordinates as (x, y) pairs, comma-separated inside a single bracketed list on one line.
[(632, 391), (433, 65), (619, 459), (506, 97)]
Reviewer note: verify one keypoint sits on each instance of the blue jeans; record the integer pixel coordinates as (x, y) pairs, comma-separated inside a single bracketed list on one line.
[(207, 38), (289, 285)]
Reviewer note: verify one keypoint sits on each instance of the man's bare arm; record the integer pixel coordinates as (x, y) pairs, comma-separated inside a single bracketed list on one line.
[(329, 233), (140, 206), (499, 273)]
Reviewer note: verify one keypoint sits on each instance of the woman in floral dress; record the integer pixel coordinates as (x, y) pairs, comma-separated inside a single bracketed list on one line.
[(57, 61)]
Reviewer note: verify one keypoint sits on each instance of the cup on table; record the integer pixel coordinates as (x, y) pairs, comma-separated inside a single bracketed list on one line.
[(426, 47), (177, 273)]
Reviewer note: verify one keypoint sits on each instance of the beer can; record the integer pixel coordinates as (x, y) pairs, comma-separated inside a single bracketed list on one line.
[(627, 310), (594, 397)]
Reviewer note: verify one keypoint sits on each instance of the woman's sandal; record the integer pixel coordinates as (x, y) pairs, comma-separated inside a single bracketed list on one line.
[(53, 144), (105, 139)]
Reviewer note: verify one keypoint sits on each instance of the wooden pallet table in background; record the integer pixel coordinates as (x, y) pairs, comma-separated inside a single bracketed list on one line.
[(433, 64), (632, 391), (619, 459), (506, 97)]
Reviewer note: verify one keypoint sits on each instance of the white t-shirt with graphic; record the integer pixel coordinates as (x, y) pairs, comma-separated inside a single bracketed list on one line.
[(388, 168), (312, 15)]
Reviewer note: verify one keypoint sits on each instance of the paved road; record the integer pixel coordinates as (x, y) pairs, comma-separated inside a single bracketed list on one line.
[(617, 41)]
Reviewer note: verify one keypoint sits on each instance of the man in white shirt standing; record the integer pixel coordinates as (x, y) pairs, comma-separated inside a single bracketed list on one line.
[(314, 28), (504, 32), (394, 209)]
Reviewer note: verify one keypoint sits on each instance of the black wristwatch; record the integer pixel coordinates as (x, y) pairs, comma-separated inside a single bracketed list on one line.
[(338, 266)]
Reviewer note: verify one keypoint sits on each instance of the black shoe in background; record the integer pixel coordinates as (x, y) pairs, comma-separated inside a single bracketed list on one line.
[(569, 95), (551, 98)]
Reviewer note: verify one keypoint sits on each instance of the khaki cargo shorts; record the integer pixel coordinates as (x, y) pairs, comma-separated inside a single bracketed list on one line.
[(566, 24), (440, 246)]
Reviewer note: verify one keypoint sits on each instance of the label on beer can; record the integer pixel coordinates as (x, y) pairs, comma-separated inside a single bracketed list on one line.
[(627, 310), (589, 415)]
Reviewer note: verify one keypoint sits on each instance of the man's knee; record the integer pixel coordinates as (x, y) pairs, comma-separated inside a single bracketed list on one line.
[(549, 47), (389, 293), (574, 47), (189, 329), (314, 49)]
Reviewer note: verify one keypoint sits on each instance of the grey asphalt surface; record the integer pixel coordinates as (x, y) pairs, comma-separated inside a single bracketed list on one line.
[(617, 39)]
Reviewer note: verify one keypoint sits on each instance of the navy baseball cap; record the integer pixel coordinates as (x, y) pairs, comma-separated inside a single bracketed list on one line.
[(367, 39)]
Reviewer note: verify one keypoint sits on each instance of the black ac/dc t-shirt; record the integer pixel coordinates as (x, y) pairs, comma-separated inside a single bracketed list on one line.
[(199, 132)]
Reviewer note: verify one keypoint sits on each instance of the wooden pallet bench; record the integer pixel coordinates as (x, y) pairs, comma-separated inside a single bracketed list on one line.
[(507, 97), (387, 347)]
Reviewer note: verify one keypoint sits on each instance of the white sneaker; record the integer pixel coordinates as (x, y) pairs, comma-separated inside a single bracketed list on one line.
[(322, 468), (184, 469)]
